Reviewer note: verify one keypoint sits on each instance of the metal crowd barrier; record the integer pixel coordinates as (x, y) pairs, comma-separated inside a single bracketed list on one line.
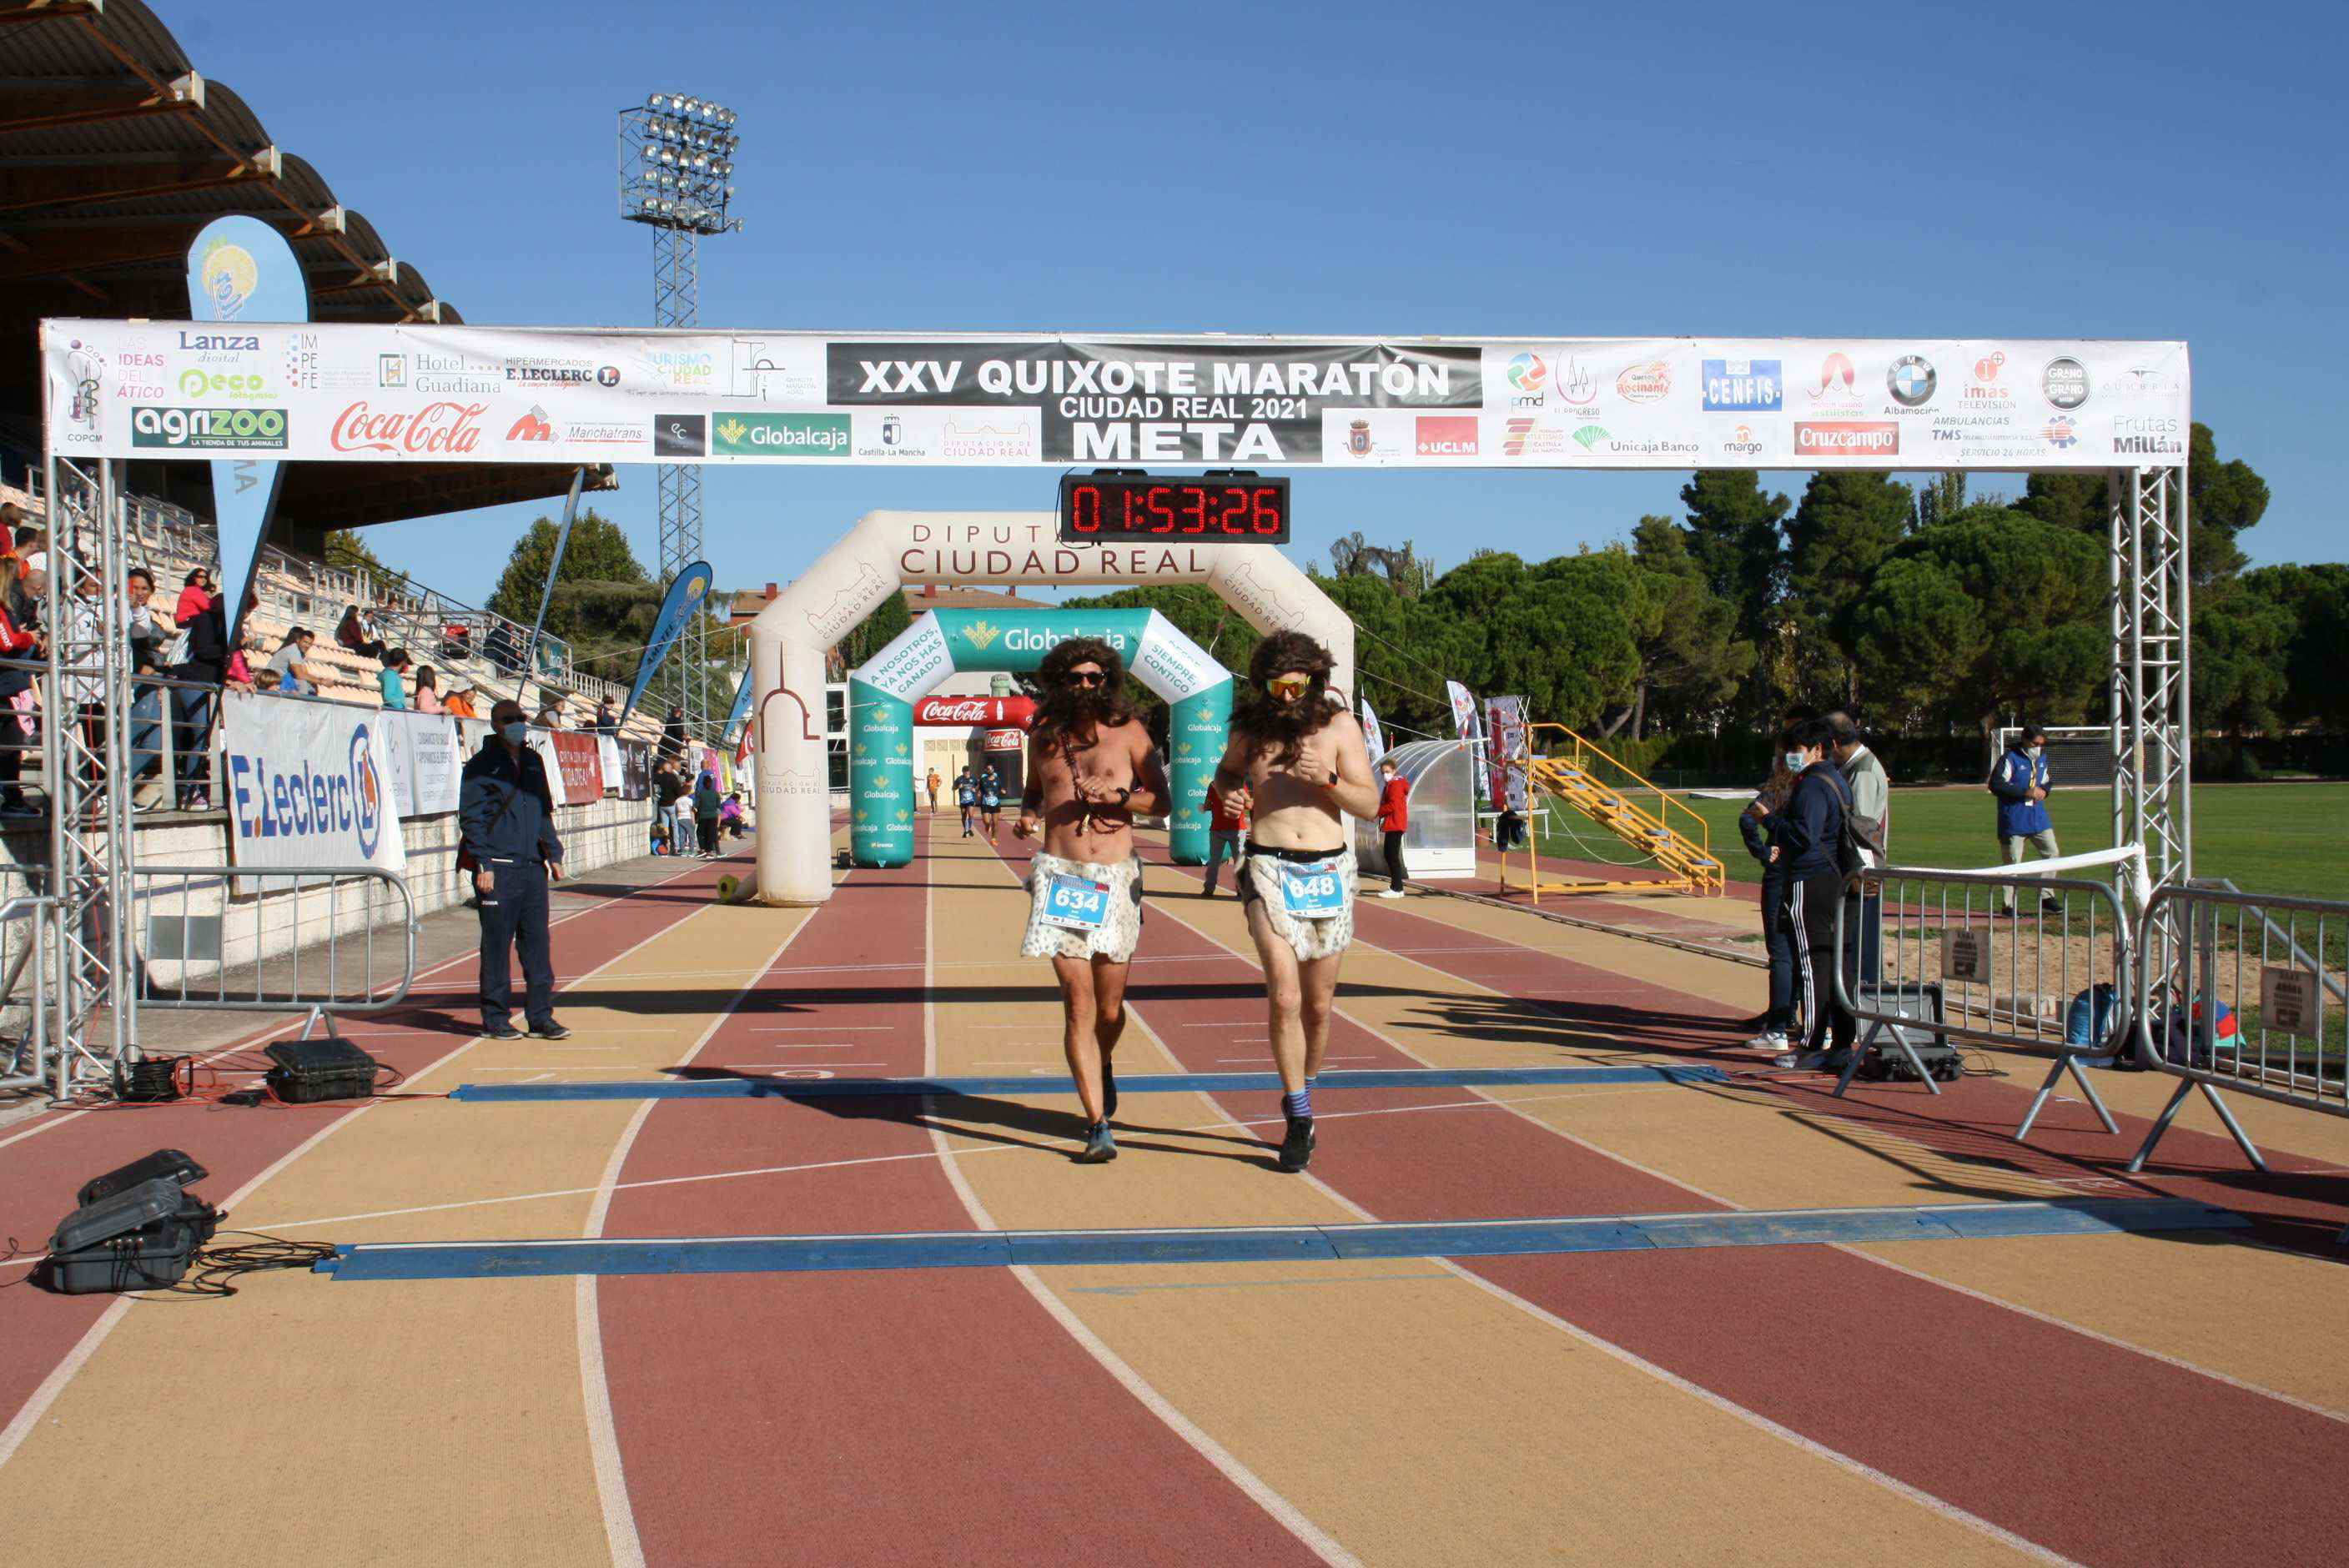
[(2240, 1001), (1933, 954), (26, 1064)]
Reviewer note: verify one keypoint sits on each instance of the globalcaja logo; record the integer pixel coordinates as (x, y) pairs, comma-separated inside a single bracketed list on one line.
[(1743, 387), (981, 636), (782, 436), (2064, 382), (1527, 377), (1911, 380), (2060, 433), (196, 430)]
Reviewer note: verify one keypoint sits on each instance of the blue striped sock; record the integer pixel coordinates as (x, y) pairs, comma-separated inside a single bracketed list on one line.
[(1299, 1103)]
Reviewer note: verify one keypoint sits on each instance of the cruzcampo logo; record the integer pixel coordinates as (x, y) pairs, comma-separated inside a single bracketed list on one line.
[(981, 636), (782, 436)]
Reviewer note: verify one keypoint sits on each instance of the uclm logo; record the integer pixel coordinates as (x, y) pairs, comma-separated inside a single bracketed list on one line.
[(1447, 434)]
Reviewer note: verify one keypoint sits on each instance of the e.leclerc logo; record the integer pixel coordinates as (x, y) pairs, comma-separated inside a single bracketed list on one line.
[(305, 802)]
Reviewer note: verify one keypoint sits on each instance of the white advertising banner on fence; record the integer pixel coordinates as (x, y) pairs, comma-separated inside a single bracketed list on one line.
[(307, 784), (421, 749), (353, 392)]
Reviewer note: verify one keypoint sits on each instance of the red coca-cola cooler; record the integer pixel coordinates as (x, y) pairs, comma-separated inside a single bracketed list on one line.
[(1001, 712), (1003, 740)]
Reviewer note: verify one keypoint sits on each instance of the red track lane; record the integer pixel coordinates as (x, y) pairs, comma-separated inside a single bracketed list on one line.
[(922, 1416), (40, 1176), (1991, 1409)]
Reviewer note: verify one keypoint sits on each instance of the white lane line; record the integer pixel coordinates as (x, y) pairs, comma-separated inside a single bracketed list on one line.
[(603, 1436), (1289, 1516), (822, 1029), (1512, 1103)]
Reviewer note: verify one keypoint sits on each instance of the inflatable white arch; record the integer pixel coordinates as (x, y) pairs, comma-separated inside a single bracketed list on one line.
[(887, 550)]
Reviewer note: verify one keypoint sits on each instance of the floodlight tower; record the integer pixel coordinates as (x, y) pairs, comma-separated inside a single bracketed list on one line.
[(676, 178)]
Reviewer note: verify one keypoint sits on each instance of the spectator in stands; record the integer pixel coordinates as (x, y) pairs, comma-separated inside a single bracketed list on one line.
[(428, 690), (500, 649), (550, 712), (286, 672), (239, 673), (12, 518), (393, 678), (1758, 825), (672, 741), (33, 549), (1394, 821), (606, 721), (17, 641), (706, 807), (358, 633), (506, 808), (2020, 781), (456, 642), (461, 702), (204, 667), (1871, 823), (194, 597), (1808, 845), (151, 637)]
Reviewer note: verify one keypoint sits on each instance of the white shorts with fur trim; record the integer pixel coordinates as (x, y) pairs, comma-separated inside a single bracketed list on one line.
[(1260, 880), (1120, 931)]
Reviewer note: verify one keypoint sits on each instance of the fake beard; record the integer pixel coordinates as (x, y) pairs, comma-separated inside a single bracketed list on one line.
[(1283, 726), (1072, 714)]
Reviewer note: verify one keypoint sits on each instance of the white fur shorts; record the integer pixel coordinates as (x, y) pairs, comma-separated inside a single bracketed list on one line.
[(1120, 931), (1260, 877)]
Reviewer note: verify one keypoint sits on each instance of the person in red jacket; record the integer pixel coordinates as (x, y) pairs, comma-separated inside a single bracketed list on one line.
[(1224, 826), (1394, 819)]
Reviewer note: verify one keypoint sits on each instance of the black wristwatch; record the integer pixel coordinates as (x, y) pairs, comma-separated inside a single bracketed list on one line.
[(1125, 793)]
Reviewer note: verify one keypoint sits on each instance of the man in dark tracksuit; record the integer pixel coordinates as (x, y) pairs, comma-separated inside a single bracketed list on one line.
[(506, 810), (1758, 825), (1808, 845)]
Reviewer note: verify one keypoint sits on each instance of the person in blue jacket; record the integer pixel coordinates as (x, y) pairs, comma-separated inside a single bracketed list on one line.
[(2021, 783), (1758, 825), (506, 810), (1807, 848)]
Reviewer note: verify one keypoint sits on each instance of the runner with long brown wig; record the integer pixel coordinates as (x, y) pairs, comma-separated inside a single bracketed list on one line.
[(1090, 769), (1297, 765)]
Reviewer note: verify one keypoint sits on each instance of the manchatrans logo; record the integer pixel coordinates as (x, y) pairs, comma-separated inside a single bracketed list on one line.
[(981, 636)]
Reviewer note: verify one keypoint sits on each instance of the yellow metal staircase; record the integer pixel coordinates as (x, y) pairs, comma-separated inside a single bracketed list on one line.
[(1591, 782)]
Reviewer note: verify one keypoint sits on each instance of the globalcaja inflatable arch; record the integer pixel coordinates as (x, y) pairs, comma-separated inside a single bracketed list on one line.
[(887, 550), (881, 697)]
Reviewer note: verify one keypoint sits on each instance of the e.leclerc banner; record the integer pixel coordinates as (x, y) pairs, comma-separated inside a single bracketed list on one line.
[(684, 597), (307, 784), (419, 392), (240, 271), (1504, 732)]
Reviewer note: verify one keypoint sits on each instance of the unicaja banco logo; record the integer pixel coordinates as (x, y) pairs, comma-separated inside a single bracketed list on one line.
[(981, 636)]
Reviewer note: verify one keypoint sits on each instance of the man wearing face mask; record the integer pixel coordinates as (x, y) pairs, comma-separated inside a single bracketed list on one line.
[(507, 812), (2020, 781), (1808, 843)]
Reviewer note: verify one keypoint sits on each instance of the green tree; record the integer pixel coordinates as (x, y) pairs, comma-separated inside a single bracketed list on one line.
[(1848, 521), (2080, 502), (1942, 499), (2243, 649), (2223, 499), (598, 552), (1913, 634), (1690, 659), (1734, 537), (2316, 598)]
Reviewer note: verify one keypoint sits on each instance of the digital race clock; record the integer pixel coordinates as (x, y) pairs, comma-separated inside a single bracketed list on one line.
[(1126, 505)]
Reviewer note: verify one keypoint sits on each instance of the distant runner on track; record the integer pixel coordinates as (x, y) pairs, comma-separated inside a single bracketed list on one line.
[(1090, 769), (990, 803), (1295, 762), (966, 797)]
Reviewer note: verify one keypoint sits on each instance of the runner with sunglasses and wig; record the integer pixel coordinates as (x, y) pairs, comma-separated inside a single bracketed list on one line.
[(1298, 766), (1090, 770)]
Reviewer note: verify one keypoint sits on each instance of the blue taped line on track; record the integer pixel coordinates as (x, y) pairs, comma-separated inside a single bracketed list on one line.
[(1271, 1243), (1146, 1083)]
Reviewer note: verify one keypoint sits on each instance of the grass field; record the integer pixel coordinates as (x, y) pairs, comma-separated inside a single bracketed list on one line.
[(2268, 837)]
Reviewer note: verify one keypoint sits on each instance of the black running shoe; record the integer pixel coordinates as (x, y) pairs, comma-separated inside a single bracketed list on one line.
[(1108, 1090), (1297, 1148), (1101, 1148), (502, 1032), (549, 1030)]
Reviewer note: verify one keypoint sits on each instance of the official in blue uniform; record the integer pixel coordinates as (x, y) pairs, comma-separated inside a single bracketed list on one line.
[(507, 812), (2020, 782), (1807, 845)]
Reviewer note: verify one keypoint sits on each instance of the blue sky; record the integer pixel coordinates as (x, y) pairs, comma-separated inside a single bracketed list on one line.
[(2143, 171)]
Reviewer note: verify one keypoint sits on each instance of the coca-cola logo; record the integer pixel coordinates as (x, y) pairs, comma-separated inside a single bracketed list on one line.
[(443, 427), (996, 710)]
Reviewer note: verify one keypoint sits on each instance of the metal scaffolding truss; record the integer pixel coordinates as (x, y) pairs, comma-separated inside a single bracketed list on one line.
[(85, 759), (2152, 652), (677, 301)]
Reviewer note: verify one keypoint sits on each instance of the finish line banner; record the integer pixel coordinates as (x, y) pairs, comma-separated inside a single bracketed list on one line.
[(351, 392)]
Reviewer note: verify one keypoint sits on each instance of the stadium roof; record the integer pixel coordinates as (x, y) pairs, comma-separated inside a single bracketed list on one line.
[(114, 152)]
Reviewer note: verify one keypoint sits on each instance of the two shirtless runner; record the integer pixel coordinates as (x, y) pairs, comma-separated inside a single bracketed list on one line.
[(1091, 770), (1295, 762)]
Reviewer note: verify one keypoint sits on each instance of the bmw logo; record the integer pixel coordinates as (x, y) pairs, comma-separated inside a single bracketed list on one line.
[(1911, 381)]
